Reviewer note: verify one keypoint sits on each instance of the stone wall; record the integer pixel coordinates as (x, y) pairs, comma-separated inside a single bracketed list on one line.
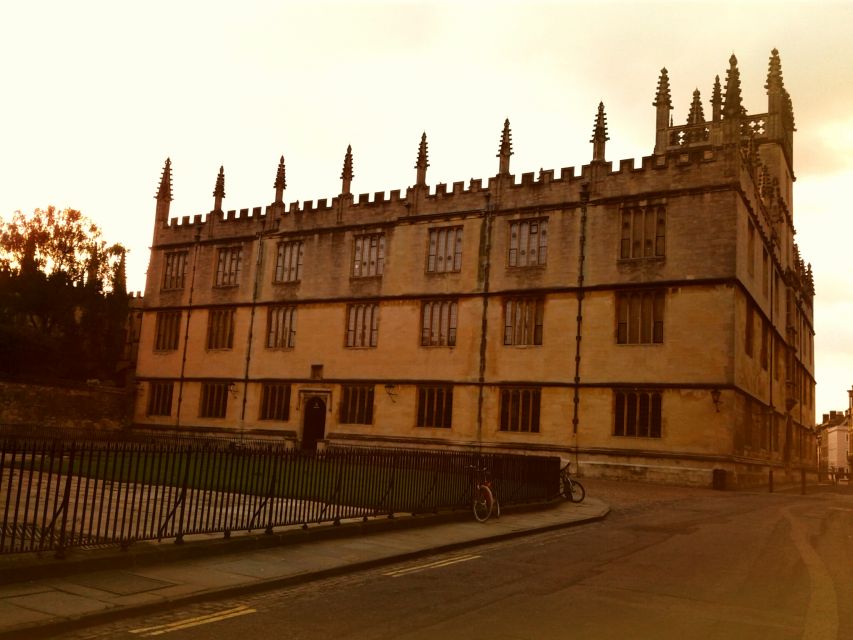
[(63, 406)]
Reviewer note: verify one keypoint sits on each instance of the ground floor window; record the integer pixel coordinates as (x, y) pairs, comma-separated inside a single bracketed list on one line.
[(637, 413), (214, 400), (275, 401), (160, 398), (356, 404), (435, 406), (520, 409)]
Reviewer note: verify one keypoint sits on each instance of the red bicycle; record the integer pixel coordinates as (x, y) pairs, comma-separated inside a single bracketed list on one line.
[(484, 500)]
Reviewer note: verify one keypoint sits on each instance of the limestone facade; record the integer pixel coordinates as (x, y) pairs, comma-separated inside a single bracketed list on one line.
[(653, 320)]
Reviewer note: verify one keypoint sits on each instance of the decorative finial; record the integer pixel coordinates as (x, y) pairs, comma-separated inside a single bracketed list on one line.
[(716, 100), (697, 113), (505, 150), (164, 193), (663, 100), (774, 73), (280, 183), (733, 105), (346, 173), (599, 134), (422, 162), (219, 190)]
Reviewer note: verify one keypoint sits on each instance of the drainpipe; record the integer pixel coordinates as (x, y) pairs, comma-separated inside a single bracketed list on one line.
[(580, 296), (197, 240), (485, 256), (258, 270)]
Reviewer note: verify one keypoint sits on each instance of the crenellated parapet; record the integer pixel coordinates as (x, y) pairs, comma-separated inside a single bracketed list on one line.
[(732, 145)]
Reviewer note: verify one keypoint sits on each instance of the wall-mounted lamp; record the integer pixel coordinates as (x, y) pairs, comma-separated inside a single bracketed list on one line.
[(391, 390), (233, 389), (715, 398)]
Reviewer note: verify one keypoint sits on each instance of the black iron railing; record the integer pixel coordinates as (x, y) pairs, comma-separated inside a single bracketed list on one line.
[(56, 494)]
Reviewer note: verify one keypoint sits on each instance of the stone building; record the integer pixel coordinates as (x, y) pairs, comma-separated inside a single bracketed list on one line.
[(833, 435), (653, 320)]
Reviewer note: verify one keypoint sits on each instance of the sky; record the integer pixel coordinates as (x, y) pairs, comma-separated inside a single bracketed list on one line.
[(96, 94)]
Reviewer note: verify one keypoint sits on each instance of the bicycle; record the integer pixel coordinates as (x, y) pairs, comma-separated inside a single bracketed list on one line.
[(484, 501), (570, 488)]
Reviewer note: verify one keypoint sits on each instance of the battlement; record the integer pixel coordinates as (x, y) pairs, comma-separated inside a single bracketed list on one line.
[(700, 142)]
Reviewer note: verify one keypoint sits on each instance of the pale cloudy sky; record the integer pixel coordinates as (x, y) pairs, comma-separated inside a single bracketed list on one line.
[(95, 95)]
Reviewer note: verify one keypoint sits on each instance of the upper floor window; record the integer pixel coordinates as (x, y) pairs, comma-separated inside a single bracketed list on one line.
[(167, 331), (523, 321), (362, 325), (228, 266), (520, 409), (435, 407), (637, 413), (639, 317), (528, 242), (288, 261), (438, 323), (281, 327), (220, 329), (160, 398), (174, 269), (445, 250), (368, 258), (643, 232)]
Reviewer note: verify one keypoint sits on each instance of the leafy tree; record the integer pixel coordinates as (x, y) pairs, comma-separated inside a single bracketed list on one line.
[(63, 300)]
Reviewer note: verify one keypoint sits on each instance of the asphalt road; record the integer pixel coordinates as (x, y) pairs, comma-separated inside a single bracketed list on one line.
[(667, 563)]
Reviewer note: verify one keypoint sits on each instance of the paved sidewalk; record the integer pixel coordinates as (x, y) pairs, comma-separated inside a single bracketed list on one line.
[(107, 585)]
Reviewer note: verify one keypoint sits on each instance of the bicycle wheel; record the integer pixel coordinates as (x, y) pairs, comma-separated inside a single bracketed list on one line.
[(483, 502), (578, 493), (497, 508)]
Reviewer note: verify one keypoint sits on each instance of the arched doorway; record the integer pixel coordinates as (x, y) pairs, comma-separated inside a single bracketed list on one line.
[(314, 423)]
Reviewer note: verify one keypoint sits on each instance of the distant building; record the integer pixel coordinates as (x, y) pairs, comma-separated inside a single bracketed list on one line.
[(653, 321), (834, 431)]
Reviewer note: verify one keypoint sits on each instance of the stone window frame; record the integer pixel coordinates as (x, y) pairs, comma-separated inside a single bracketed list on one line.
[(213, 399), (167, 330), (281, 327), (356, 405), (160, 396), (525, 238), (288, 261), (275, 401), (519, 409), (435, 407), (174, 269), (229, 264), (637, 413), (362, 325), (640, 316), (220, 328), (524, 321), (642, 231), (368, 255), (439, 320), (438, 258)]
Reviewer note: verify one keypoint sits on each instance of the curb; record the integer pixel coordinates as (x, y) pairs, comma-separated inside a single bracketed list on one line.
[(82, 621), (19, 568)]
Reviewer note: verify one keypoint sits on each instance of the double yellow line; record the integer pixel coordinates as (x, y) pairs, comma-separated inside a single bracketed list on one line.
[(429, 565), (193, 622)]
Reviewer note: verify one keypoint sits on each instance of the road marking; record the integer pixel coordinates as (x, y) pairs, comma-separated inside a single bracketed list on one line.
[(429, 565), (193, 622)]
